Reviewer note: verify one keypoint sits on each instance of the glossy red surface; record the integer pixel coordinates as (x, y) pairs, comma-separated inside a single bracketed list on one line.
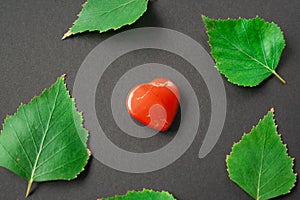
[(154, 104)]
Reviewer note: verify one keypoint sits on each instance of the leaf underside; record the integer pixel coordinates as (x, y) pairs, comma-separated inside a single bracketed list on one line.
[(145, 195), (245, 51), (259, 163), (103, 15), (44, 140)]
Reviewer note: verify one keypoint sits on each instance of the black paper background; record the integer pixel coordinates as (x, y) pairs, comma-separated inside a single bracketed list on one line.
[(32, 57)]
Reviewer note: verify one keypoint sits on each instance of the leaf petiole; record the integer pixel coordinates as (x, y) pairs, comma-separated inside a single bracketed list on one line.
[(29, 187), (279, 77), (67, 34), (93, 16)]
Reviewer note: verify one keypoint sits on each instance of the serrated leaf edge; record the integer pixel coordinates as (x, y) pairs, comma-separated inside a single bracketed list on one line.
[(140, 191), (8, 117), (285, 145), (70, 33), (231, 19)]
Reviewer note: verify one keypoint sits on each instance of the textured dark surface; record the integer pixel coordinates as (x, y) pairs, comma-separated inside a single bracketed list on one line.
[(33, 56)]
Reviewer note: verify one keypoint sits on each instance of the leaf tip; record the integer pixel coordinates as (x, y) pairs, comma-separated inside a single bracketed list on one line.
[(67, 34), (63, 76), (205, 18), (89, 152)]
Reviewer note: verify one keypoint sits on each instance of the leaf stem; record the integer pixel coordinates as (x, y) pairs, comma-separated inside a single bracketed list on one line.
[(29, 187), (67, 34), (279, 77)]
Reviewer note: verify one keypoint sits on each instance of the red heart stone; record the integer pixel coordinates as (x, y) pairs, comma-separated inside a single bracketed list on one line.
[(154, 104)]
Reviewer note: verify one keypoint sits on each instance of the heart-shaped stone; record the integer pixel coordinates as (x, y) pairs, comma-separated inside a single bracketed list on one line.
[(154, 104)]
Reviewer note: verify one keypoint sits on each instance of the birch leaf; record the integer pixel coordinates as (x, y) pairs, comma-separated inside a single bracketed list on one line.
[(145, 195), (246, 51), (45, 140), (259, 163), (103, 15)]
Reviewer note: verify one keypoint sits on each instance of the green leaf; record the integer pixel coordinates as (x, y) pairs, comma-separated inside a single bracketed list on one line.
[(245, 51), (259, 163), (103, 15), (145, 195), (44, 140)]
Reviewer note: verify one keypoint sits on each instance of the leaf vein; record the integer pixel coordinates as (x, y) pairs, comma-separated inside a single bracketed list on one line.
[(245, 53), (99, 14), (59, 167), (17, 136), (53, 139), (45, 133), (276, 188), (48, 106), (18, 164), (261, 165), (274, 175), (247, 37), (29, 129), (54, 154), (262, 46)]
